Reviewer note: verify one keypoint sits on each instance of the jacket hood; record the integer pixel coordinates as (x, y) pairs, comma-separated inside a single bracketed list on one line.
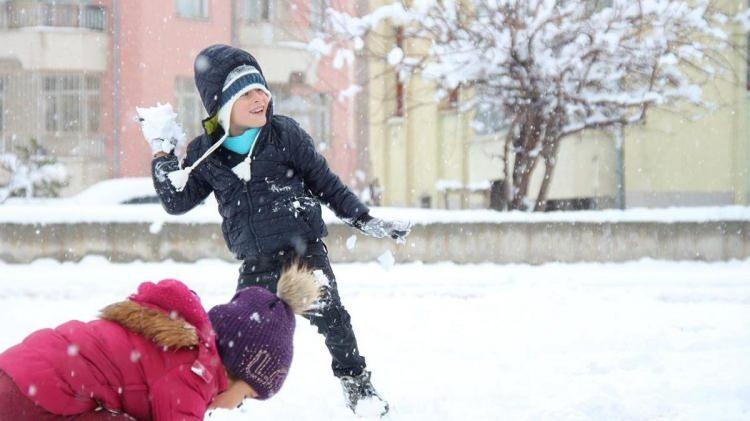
[(153, 325), (212, 66), (167, 312)]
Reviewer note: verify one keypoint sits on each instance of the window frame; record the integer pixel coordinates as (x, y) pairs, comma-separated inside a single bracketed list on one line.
[(201, 10), (266, 8), (494, 113), (317, 15), (188, 101), (80, 99), (313, 110)]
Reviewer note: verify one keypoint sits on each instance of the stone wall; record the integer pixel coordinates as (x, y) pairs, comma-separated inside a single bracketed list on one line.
[(513, 242)]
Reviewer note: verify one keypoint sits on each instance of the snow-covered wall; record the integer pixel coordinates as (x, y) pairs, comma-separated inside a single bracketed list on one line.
[(145, 232)]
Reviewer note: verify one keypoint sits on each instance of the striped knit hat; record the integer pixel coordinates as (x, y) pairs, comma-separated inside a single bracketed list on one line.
[(241, 79)]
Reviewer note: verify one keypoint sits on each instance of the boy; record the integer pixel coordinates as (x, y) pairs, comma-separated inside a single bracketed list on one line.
[(268, 181)]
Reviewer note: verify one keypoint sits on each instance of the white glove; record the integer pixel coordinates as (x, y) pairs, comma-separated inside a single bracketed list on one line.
[(378, 228), (162, 145), (160, 128)]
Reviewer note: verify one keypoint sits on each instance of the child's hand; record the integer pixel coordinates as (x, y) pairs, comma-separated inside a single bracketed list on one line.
[(160, 128), (378, 228), (398, 230)]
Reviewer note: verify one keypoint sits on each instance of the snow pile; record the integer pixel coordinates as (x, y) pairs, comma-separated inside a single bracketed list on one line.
[(115, 191), (445, 185), (370, 408)]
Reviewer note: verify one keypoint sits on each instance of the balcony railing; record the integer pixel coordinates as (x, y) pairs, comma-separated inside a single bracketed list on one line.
[(23, 14)]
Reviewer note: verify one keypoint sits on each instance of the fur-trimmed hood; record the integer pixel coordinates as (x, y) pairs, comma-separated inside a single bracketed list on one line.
[(167, 313), (155, 325)]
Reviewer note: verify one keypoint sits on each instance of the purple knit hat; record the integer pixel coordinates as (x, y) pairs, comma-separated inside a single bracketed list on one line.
[(255, 330)]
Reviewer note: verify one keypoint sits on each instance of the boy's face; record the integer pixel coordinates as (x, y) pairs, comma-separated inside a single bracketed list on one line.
[(249, 110)]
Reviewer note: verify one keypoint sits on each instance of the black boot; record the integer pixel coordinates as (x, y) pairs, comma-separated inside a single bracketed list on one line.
[(361, 397)]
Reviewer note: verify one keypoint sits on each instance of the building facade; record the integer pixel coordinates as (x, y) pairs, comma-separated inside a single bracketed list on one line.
[(426, 152), (418, 144), (73, 72), (54, 73)]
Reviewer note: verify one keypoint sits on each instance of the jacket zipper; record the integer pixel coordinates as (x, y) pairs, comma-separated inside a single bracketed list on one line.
[(247, 190), (250, 152)]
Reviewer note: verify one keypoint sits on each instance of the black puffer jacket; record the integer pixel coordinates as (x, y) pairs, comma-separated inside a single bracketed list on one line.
[(279, 208)]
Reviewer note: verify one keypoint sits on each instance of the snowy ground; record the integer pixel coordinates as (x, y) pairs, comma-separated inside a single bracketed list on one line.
[(638, 341)]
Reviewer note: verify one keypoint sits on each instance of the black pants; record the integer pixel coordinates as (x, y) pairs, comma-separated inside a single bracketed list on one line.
[(332, 320)]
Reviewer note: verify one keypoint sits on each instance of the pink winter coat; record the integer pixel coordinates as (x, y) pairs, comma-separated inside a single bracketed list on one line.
[(153, 357)]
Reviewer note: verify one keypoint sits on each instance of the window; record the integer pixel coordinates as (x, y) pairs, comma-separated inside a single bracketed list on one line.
[(320, 116), (318, 14), (489, 118), (188, 106), (192, 9), (399, 110), (450, 102), (256, 10), (312, 111), (71, 103), (93, 103), (62, 111)]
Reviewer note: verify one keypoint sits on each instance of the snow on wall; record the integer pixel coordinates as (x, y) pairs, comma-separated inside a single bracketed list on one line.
[(61, 212)]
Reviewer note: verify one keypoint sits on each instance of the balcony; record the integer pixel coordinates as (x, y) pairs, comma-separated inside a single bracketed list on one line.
[(31, 14), (56, 36)]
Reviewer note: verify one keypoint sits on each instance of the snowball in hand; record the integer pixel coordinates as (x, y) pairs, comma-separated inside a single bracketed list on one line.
[(159, 122)]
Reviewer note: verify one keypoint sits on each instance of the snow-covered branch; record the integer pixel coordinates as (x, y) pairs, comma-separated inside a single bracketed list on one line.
[(32, 173)]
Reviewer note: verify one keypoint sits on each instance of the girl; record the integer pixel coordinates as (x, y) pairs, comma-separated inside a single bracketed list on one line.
[(156, 356)]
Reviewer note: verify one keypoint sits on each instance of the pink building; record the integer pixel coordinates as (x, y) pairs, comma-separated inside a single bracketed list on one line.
[(76, 90), (155, 45)]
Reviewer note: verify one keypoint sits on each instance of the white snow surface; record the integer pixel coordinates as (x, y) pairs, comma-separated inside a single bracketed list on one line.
[(98, 210), (645, 340), (114, 191)]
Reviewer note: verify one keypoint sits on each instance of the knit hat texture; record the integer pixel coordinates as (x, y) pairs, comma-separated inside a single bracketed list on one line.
[(255, 329)]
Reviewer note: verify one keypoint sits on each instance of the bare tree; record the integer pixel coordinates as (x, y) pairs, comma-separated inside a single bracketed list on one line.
[(554, 68)]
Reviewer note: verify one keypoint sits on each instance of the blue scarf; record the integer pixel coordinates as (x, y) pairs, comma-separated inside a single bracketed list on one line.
[(241, 144)]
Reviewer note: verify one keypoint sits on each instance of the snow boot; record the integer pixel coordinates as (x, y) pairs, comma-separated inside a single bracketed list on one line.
[(361, 397)]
